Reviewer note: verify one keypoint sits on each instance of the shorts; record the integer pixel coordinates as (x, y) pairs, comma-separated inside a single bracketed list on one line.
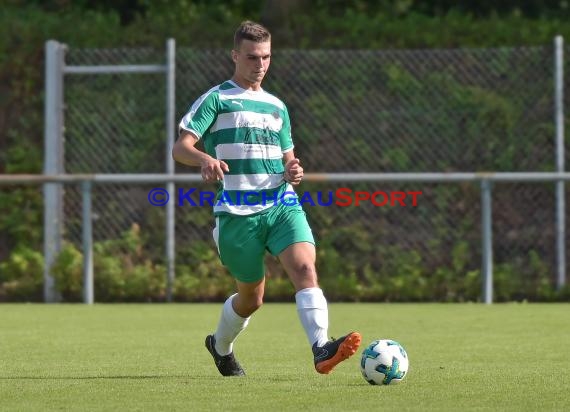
[(243, 240)]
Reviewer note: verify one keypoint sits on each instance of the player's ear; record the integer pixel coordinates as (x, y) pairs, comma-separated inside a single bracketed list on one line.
[(234, 56)]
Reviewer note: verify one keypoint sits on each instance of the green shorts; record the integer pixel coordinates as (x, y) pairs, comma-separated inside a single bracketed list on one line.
[(243, 240)]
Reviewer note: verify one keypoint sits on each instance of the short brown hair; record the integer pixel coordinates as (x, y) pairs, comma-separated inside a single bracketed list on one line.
[(249, 30)]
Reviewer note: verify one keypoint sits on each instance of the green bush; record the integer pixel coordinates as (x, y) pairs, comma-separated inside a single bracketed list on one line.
[(21, 275), (67, 272), (123, 273)]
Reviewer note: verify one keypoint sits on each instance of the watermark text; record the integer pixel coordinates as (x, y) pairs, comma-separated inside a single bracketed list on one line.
[(342, 197)]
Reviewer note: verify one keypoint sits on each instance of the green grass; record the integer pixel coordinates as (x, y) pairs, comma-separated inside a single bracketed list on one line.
[(151, 357)]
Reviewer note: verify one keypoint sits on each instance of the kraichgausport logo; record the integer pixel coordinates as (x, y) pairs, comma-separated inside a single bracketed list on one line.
[(342, 197)]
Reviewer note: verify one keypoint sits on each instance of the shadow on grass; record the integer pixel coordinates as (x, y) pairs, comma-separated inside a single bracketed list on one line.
[(102, 377)]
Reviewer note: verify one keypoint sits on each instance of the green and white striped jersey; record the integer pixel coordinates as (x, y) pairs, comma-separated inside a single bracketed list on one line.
[(250, 131)]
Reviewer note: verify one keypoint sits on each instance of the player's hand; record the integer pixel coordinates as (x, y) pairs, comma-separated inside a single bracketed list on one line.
[(293, 172), (213, 170)]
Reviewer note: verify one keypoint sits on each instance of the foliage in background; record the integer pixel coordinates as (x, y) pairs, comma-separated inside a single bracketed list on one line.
[(123, 271)]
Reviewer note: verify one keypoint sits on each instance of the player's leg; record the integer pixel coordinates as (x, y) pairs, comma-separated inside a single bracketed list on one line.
[(236, 313), (241, 251), (292, 240), (298, 260)]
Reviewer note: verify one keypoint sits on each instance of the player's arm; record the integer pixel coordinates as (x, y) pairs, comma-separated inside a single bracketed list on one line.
[(185, 152), (293, 170)]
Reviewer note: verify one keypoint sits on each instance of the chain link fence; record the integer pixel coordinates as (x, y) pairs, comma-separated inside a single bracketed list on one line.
[(460, 110)]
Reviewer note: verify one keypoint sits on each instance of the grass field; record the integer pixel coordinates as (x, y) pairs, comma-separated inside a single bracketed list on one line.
[(151, 357)]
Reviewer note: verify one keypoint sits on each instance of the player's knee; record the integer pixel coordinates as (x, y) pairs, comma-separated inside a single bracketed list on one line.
[(247, 303), (254, 303), (246, 309), (307, 272)]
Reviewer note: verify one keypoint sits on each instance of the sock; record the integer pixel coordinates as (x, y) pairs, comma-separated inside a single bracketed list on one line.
[(314, 314), (229, 327)]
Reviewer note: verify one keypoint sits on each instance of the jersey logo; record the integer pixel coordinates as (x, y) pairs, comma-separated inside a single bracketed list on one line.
[(238, 103), (260, 136)]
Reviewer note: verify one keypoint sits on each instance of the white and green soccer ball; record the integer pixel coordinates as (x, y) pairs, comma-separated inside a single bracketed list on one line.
[(384, 362)]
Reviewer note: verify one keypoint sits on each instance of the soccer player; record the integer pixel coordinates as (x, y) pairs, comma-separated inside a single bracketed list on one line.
[(249, 151)]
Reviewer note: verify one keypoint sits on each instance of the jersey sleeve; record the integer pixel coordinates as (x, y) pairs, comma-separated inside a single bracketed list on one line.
[(201, 115), (285, 137)]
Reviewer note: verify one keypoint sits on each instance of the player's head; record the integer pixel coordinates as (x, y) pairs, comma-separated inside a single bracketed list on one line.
[(251, 53), (249, 30)]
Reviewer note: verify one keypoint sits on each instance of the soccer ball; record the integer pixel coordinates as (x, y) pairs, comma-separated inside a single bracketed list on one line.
[(384, 362)]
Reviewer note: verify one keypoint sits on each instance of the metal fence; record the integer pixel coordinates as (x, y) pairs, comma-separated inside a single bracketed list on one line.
[(352, 111)]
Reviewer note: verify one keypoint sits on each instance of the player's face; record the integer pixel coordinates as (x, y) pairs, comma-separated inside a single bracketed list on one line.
[(252, 62)]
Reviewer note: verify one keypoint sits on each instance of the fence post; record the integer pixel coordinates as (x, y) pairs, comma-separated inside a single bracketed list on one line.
[(559, 125), (87, 234), (487, 241), (170, 187), (53, 163)]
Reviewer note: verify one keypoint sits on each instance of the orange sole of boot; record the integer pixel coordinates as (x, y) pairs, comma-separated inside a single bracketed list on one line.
[(345, 351)]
